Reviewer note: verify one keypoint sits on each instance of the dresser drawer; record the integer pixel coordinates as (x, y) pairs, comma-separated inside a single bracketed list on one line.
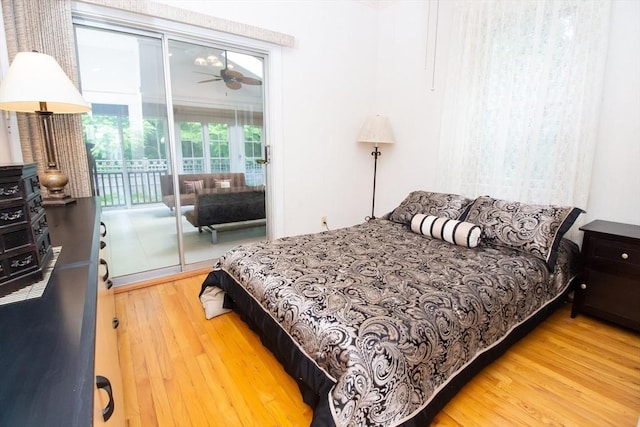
[(44, 246), (15, 238), (612, 252), (35, 206), (31, 186), (10, 191), (13, 215), (39, 226), (20, 263)]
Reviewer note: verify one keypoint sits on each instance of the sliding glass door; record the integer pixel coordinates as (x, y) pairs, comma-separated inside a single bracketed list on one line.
[(175, 146), (217, 97)]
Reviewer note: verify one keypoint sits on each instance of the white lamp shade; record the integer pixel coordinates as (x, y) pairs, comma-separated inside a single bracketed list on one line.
[(377, 130), (34, 78)]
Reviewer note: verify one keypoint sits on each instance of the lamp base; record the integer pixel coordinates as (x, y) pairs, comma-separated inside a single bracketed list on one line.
[(54, 181), (57, 201)]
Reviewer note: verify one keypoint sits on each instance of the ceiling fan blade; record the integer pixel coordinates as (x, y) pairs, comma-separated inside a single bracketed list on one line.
[(210, 80), (231, 74), (250, 81), (206, 74), (234, 85)]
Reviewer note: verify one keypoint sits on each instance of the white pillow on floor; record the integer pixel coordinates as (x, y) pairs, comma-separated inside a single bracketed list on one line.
[(212, 300)]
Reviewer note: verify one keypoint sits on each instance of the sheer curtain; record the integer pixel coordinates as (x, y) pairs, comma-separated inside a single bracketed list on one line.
[(522, 99)]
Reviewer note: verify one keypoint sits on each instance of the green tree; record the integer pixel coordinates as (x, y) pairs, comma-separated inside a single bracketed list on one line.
[(252, 141), (191, 138), (103, 132), (154, 139)]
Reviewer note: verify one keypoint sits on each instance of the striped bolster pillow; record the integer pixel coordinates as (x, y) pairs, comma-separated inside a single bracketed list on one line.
[(450, 230)]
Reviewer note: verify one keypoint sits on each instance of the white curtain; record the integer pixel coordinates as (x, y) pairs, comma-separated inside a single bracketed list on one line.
[(522, 99)]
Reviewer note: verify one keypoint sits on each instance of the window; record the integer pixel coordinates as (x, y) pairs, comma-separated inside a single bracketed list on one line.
[(252, 153), (521, 108), (191, 144), (219, 147)]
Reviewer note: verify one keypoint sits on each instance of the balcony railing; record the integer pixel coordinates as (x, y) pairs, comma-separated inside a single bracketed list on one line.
[(130, 182), (137, 182)]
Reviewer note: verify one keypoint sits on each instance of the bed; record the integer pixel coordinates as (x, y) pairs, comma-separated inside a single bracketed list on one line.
[(383, 322)]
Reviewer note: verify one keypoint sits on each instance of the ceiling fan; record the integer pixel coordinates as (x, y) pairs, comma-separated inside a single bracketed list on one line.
[(233, 79)]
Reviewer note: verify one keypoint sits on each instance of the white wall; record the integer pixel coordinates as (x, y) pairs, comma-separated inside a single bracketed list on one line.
[(343, 68), (9, 140), (328, 88), (411, 85), (355, 58), (615, 185)]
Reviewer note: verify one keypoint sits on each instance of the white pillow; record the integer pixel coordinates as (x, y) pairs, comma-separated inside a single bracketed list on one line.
[(212, 299), (450, 230)]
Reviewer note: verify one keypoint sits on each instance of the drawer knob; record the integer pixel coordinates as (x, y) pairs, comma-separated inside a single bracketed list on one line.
[(625, 255), (583, 286)]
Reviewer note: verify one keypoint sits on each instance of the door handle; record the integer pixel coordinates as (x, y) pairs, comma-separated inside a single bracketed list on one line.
[(103, 382), (267, 158), (106, 266)]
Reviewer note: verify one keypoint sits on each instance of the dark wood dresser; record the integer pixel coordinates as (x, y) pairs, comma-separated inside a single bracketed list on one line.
[(59, 361), (25, 246), (609, 285)]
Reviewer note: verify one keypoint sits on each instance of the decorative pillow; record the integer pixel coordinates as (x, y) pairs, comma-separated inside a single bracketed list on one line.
[(450, 230), (535, 229), (193, 186), (222, 183), (438, 204)]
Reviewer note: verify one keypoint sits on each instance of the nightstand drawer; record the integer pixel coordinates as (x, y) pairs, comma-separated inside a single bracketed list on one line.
[(610, 251)]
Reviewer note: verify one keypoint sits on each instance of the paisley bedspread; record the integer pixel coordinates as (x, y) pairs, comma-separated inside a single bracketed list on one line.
[(388, 314)]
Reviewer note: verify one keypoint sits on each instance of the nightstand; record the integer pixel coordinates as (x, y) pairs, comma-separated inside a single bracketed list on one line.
[(609, 285)]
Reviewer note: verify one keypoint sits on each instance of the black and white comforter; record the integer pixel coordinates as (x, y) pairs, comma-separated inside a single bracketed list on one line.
[(388, 314)]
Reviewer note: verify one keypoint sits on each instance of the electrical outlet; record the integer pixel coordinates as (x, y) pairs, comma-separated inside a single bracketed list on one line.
[(323, 221)]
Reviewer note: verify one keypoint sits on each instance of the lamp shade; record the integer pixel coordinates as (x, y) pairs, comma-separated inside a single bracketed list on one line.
[(377, 130), (34, 78)]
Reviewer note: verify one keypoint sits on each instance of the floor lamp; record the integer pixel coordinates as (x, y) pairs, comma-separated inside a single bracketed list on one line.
[(35, 83), (376, 130)]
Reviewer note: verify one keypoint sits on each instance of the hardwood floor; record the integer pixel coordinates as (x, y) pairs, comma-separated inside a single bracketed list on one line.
[(180, 369)]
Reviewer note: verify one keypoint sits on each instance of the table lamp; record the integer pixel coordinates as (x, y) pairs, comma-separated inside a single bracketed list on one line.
[(35, 83)]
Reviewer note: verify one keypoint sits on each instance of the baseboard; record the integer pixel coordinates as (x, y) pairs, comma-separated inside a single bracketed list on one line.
[(159, 280)]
